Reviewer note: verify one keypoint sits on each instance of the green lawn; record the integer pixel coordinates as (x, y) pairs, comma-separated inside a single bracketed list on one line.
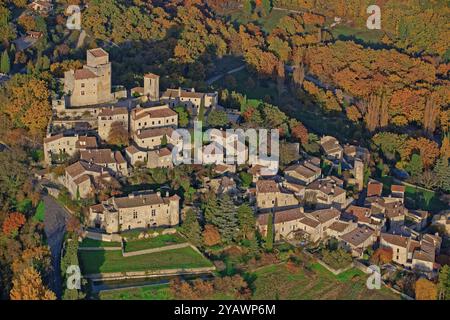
[(97, 243), (40, 212), (417, 197), (154, 292), (159, 241), (267, 23), (276, 282), (113, 261), (365, 35)]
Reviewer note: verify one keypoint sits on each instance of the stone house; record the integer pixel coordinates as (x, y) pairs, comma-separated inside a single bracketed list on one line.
[(65, 146), (153, 138), (135, 156), (83, 178), (109, 116), (418, 255), (358, 240), (110, 160), (161, 158), (153, 117), (442, 220), (285, 223), (137, 210), (270, 195), (304, 173), (339, 228), (393, 210), (331, 147), (190, 99), (90, 85), (327, 193)]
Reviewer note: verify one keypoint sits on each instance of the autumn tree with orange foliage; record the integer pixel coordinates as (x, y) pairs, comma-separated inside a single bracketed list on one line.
[(28, 286), (13, 222), (429, 150), (211, 236), (382, 256), (426, 290), (299, 131)]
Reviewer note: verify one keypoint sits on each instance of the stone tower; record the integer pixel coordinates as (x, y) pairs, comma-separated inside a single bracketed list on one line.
[(151, 86), (359, 173)]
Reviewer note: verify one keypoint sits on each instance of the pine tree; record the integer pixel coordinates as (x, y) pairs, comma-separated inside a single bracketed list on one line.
[(444, 283), (191, 228), (442, 172), (5, 65), (210, 208), (226, 219), (246, 222)]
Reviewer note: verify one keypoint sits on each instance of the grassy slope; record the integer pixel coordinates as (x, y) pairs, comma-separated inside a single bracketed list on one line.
[(276, 282), (159, 241), (113, 261), (157, 292), (97, 243)]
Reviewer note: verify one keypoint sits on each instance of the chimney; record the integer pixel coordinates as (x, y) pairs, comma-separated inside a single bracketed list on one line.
[(158, 194), (179, 91), (167, 193)]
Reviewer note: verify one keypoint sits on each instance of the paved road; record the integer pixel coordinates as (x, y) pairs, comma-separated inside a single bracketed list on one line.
[(210, 81), (55, 226)]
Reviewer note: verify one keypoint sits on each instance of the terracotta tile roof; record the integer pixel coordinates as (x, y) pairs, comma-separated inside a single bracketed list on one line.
[(281, 216), (107, 112), (301, 170), (97, 208), (80, 167), (374, 188), (154, 132), (175, 93), (267, 186), (151, 76), (164, 152), (98, 156), (98, 52), (53, 138), (119, 157), (397, 188), (326, 186), (394, 239), (132, 149), (255, 169), (140, 113), (358, 236), (310, 222), (85, 142), (138, 200), (82, 74), (325, 215), (361, 214), (339, 226)]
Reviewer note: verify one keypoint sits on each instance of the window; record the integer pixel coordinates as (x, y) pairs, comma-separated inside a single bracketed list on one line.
[(135, 215), (82, 85), (153, 212), (82, 93)]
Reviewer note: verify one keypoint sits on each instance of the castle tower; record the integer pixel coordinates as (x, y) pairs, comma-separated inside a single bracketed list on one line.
[(359, 174), (98, 63), (151, 86)]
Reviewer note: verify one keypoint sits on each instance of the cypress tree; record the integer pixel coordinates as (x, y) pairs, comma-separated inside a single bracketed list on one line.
[(191, 228), (5, 65), (269, 237)]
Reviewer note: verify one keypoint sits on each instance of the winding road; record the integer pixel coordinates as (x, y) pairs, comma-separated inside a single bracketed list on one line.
[(55, 227)]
